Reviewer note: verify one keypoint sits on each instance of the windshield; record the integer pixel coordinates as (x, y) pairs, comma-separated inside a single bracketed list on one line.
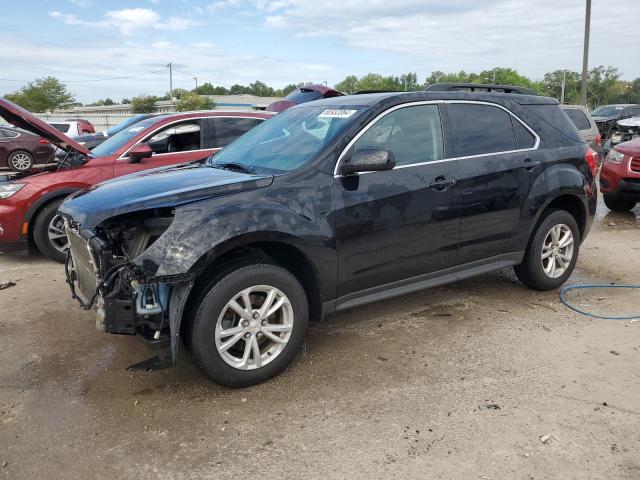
[(607, 111), (124, 124), (288, 140), (303, 95), (112, 144)]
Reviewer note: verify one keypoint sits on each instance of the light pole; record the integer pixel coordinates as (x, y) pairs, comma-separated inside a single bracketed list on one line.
[(170, 83), (585, 54), (196, 79), (564, 82)]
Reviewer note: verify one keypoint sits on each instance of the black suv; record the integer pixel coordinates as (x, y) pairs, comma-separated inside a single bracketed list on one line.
[(327, 206)]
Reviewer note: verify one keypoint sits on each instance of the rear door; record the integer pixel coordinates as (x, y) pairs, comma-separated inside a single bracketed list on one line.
[(498, 160), (400, 224), (172, 144)]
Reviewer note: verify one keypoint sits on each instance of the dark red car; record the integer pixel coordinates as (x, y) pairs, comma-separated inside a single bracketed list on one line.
[(29, 201), (308, 93), (20, 150), (620, 176)]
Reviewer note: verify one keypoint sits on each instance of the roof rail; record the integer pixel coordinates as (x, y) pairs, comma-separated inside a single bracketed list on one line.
[(479, 87)]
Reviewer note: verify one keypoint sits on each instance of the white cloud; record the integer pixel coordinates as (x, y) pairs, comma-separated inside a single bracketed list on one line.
[(203, 45), (130, 21)]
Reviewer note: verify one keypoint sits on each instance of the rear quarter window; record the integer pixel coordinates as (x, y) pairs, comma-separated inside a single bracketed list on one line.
[(553, 115), (63, 127), (578, 118)]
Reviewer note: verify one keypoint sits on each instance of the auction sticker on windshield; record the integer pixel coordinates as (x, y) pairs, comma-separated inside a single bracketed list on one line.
[(337, 113)]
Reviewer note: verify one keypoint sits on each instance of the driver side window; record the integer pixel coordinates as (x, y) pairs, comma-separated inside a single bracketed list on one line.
[(412, 134), (181, 137)]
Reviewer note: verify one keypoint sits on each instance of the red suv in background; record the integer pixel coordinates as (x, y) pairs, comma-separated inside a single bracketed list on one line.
[(29, 201), (620, 176)]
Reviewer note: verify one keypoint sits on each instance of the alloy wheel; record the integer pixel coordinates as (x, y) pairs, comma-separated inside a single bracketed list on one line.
[(254, 327), (57, 234), (20, 161), (557, 250)]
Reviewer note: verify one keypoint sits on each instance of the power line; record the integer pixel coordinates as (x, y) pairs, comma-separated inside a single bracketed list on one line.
[(91, 80)]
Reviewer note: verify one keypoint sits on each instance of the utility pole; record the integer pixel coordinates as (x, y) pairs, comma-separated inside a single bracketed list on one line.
[(170, 83), (196, 79), (564, 82), (585, 54)]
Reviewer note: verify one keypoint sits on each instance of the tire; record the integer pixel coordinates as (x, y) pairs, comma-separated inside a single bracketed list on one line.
[(540, 274), (20, 161), (618, 204), (235, 366), (47, 231)]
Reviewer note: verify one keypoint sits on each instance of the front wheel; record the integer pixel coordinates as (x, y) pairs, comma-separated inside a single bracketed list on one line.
[(552, 252), (250, 325), (618, 204), (49, 233)]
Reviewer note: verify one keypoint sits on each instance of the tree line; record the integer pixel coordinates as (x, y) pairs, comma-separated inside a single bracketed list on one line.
[(604, 87)]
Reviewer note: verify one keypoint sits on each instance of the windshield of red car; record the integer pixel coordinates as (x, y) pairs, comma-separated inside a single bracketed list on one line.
[(112, 144)]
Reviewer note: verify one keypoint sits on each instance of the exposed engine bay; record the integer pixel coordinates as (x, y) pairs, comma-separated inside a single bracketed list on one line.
[(101, 274)]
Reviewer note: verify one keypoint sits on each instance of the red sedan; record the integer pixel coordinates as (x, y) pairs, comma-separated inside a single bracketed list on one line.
[(20, 150), (29, 201)]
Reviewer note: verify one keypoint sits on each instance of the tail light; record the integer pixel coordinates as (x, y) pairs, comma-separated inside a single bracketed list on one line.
[(43, 141), (599, 139), (592, 159)]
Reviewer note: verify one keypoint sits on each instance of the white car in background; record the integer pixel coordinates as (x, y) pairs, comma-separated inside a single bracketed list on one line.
[(73, 128)]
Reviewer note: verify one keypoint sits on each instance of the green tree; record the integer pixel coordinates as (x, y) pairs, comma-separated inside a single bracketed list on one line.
[(43, 95), (106, 101), (260, 89), (193, 101), (239, 89), (409, 82), (144, 104), (179, 92), (601, 83), (348, 85), (220, 90), (442, 77), (205, 89), (125, 101), (552, 85)]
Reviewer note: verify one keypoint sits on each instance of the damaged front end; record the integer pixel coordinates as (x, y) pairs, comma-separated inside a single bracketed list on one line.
[(101, 273)]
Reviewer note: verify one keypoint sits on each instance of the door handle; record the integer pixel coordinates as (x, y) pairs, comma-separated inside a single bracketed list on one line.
[(529, 164), (441, 183)]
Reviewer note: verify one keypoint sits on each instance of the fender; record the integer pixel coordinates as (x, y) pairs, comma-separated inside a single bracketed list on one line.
[(47, 197), (564, 179)]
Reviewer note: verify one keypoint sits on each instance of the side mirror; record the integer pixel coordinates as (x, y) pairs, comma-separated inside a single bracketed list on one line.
[(138, 152), (368, 160)]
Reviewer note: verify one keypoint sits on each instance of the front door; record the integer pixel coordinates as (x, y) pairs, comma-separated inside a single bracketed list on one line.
[(173, 144), (403, 223)]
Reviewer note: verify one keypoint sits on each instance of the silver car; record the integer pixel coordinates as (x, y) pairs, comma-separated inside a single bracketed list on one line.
[(585, 124)]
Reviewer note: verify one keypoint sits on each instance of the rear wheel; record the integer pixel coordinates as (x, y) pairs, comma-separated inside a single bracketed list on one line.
[(552, 252), (49, 233), (20, 161), (618, 204), (250, 325)]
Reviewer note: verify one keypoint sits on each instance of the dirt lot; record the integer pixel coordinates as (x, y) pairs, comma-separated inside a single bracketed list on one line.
[(457, 382)]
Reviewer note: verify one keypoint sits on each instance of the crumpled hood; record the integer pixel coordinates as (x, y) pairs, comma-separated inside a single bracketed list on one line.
[(603, 119), (165, 187)]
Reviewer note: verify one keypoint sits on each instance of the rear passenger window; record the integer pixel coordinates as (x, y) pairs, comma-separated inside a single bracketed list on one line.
[(578, 118), (524, 138), (412, 134), (480, 129), (228, 129)]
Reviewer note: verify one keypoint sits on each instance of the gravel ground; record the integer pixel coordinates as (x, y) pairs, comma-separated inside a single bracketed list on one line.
[(458, 382)]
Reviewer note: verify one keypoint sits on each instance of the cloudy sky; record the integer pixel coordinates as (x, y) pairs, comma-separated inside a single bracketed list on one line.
[(84, 42)]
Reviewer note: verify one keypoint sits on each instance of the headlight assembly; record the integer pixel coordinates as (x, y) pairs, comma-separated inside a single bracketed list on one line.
[(8, 189), (615, 156)]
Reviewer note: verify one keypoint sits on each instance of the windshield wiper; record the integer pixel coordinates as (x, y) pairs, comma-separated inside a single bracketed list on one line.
[(235, 166)]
